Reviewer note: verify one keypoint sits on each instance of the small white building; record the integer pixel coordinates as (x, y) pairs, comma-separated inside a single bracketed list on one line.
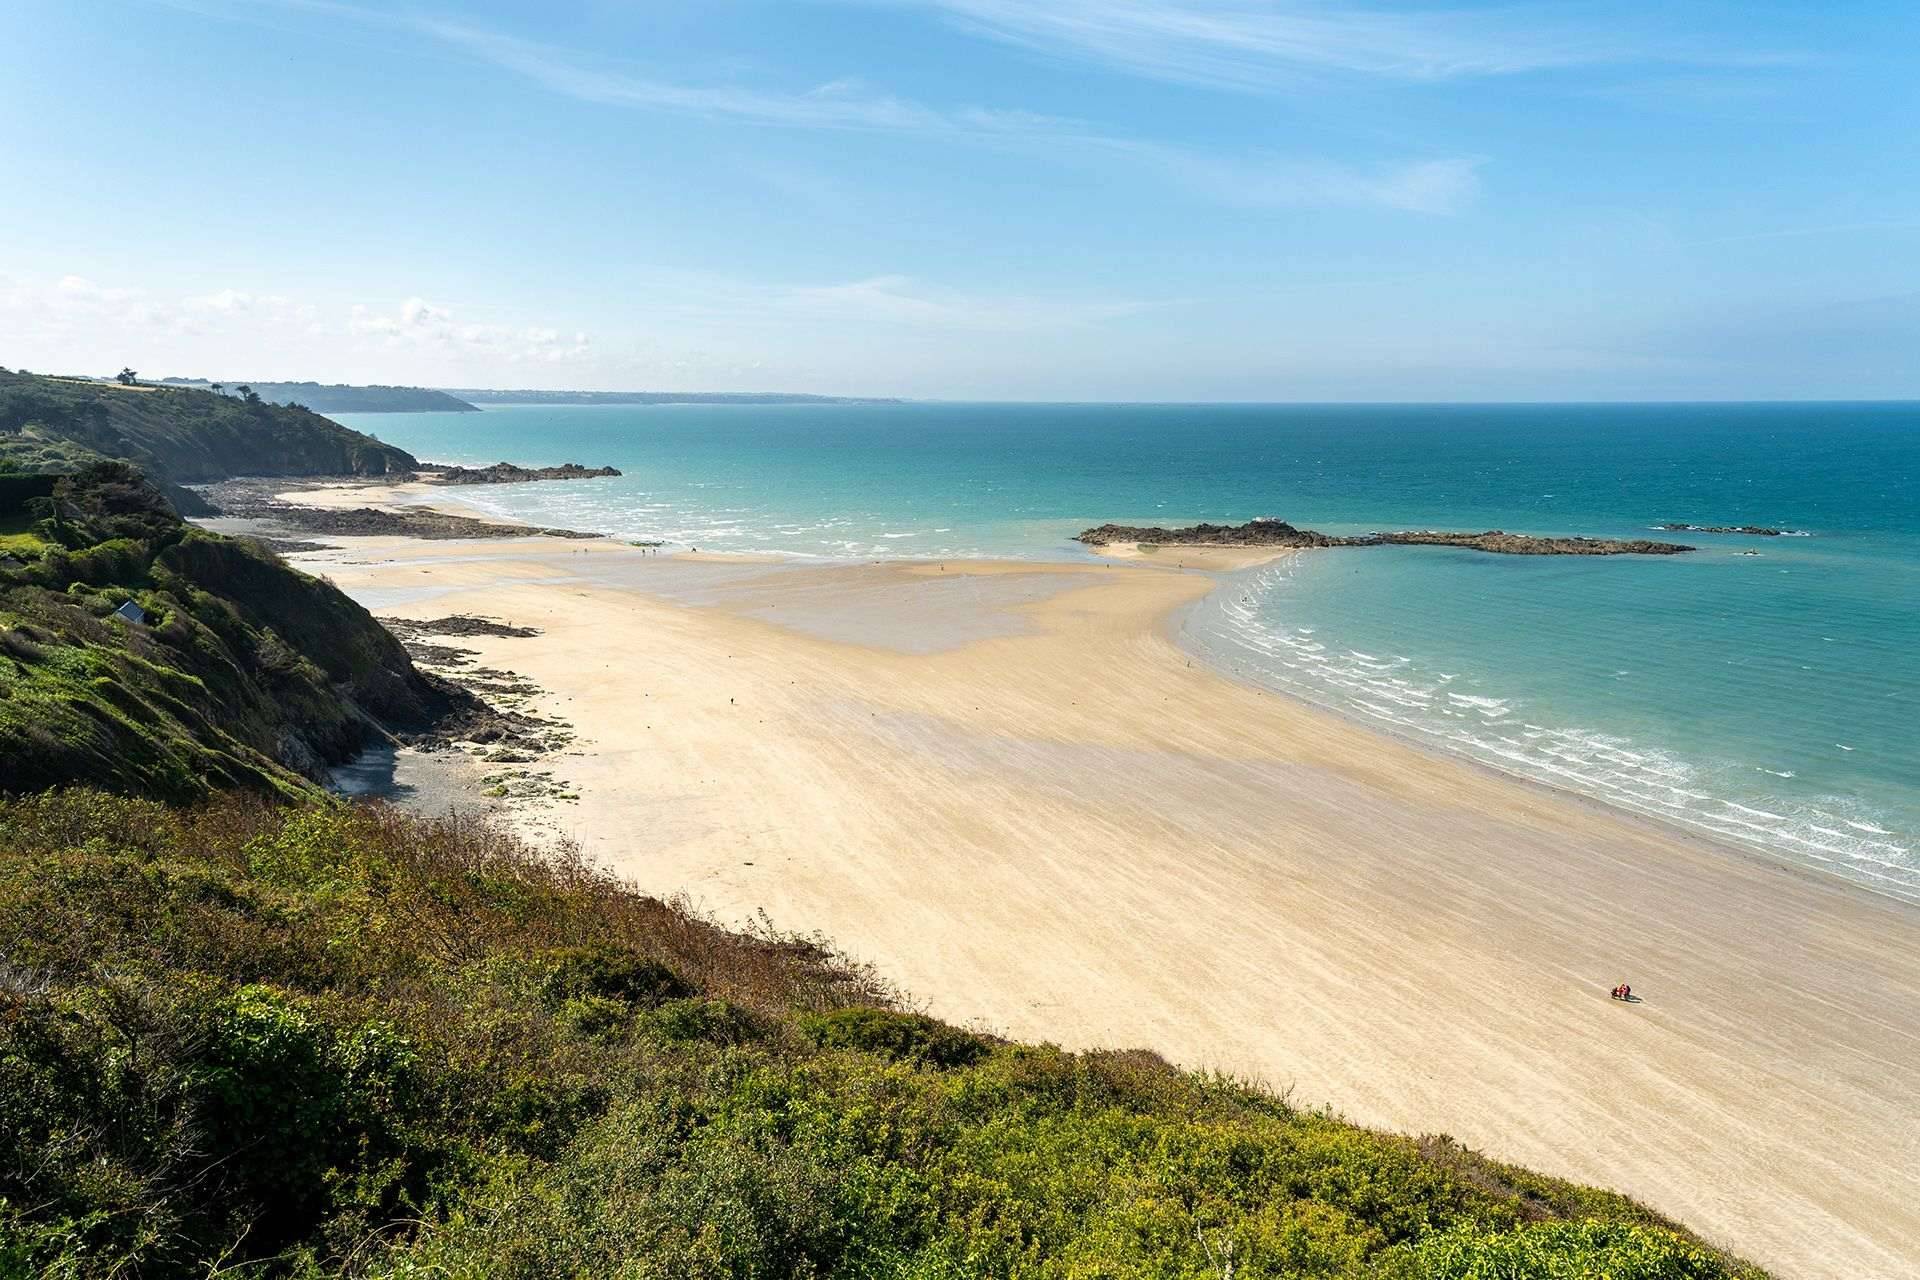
[(131, 612)]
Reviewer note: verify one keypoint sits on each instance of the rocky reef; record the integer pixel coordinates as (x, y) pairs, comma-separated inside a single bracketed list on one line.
[(508, 473), (1269, 532), (256, 499), (1753, 530)]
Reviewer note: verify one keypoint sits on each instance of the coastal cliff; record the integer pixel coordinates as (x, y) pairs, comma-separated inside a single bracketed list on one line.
[(227, 669), (1268, 532), (177, 435)]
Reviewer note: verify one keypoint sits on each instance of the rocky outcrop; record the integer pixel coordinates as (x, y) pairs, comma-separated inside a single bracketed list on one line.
[(1753, 530), (1268, 532), (256, 499), (1521, 544), (1264, 532), (508, 473)]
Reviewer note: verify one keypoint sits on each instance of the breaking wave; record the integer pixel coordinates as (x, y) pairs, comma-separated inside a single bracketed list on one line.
[(1238, 631)]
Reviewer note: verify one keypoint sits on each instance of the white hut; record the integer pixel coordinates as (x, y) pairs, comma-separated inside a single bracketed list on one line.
[(131, 612)]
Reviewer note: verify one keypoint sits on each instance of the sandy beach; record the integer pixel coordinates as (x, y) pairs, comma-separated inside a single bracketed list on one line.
[(1009, 788)]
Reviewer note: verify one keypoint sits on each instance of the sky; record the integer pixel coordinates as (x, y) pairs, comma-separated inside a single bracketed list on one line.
[(971, 199)]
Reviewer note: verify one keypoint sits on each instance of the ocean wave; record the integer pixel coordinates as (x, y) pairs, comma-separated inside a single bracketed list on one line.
[(1246, 634)]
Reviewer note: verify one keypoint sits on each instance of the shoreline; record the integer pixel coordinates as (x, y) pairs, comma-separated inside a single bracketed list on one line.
[(1217, 558), (967, 774), (1205, 557)]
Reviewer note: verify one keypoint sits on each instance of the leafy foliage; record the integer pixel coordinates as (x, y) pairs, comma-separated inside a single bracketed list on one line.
[(344, 1041)]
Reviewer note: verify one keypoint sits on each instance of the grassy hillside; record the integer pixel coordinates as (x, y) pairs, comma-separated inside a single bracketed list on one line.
[(271, 1041), (176, 435), (246, 674), (333, 397)]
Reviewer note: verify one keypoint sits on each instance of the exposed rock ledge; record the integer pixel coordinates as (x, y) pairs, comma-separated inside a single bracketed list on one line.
[(1755, 530), (1278, 533), (508, 473)]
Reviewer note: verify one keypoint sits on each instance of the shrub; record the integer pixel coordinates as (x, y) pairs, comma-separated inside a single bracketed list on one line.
[(609, 973), (896, 1035)]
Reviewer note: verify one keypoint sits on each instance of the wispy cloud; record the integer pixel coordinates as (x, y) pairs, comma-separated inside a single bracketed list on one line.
[(77, 304), (1827, 229), (1440, 186), (1428, 184), (840, 104), (1268, 44), (899, 299), (417, 323), (1433, 185)]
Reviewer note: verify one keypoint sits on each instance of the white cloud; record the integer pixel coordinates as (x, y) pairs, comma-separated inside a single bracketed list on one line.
[(899, 300), (1439, 186), (1422, 185), (1269, 44), (209, 330), (419, 324)]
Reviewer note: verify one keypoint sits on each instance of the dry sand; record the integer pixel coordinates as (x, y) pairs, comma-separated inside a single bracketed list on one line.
[(1009, 788)]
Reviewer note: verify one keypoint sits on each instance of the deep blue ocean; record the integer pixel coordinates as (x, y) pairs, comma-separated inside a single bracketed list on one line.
[(1762, 689)]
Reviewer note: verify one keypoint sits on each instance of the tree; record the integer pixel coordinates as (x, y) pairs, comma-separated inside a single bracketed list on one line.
[(126, 377), (248, 394), (218, 388)]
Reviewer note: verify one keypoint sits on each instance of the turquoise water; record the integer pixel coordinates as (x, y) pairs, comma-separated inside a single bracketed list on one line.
[(1769, 698)]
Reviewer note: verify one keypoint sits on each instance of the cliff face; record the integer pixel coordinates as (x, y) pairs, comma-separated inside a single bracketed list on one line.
[(177, 435), (243, 673)]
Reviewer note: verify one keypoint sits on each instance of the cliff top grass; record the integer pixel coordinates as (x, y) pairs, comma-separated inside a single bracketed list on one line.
[(241, 1039)]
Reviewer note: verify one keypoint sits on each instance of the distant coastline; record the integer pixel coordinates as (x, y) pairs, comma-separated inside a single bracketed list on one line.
[(333, 397), (479, 396)]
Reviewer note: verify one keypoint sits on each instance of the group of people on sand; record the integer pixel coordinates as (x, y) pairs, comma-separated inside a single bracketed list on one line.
[(1623, 992)]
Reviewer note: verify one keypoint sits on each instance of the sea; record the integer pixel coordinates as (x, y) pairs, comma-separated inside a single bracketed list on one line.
[(1763, 690)]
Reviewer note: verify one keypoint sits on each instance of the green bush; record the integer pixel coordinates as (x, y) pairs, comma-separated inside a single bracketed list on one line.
[(896, 1035), (1558, 1251), (608, 973)]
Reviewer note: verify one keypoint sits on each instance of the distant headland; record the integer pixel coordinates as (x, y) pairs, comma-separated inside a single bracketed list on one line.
[(480, 396), (1267, 531), (334, 397)]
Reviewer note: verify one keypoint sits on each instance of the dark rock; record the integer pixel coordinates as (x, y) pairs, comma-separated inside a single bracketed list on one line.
[(1267, 532), (1754, 530), (508, 473)]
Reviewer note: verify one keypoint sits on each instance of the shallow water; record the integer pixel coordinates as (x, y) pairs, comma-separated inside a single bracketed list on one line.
[(1766, 697)]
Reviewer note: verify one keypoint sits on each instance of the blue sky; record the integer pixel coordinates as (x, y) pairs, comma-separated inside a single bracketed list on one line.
[(997, 199)]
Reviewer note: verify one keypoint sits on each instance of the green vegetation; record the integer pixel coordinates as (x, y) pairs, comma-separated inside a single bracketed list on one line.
[(241, 1039), (175, 435), (245, 674), (331, 397)]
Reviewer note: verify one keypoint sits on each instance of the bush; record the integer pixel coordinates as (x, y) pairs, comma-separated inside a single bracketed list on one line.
[(896, 1035), (609, 973), (1558, 1251)]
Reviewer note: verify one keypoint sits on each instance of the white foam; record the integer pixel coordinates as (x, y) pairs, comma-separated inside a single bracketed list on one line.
[(1397, 693)]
